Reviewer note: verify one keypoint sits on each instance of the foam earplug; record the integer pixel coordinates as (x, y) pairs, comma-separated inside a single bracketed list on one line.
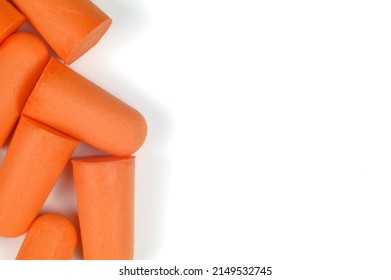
[(70, 103), (105, 201), (34, 161), (71, 27), (10, 19), (50, 237), (22, 59)]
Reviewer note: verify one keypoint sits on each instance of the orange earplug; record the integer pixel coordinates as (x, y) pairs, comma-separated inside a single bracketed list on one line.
[(22, 59), (35, 159), (105, 201), (70, 103), (10, 19), (50, 237), (71, 27)]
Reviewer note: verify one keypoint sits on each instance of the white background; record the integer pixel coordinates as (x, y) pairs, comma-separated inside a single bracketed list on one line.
[(269, 132)]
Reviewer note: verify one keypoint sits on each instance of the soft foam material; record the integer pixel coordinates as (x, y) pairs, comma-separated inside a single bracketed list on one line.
[(51, 237), (10, 19), (71, 27), (34, 161), (105, 202), (22, 59), (70, 103)]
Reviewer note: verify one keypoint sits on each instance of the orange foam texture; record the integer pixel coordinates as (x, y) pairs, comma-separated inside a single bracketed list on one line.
[(10, 19), (105, 202), (71, 27), (70, 103), (22, 58), (34, 161), (50, 237)]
